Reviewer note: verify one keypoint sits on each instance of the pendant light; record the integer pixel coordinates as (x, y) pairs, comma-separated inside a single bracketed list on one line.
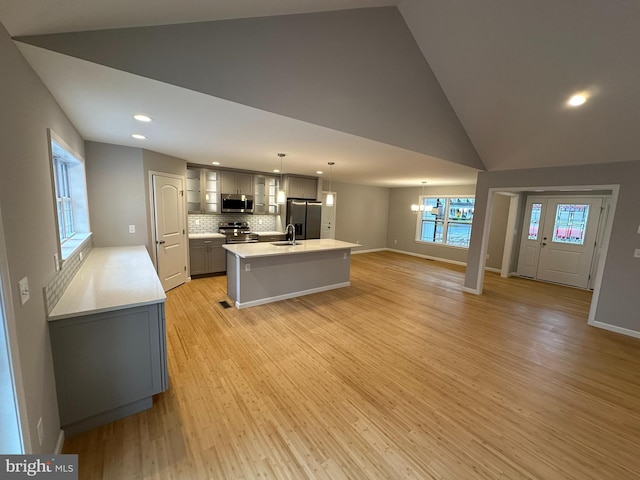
[(280, 199), (419, 207), (329, 200)]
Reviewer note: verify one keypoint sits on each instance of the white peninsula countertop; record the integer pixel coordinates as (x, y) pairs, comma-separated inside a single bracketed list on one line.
[(268, 249), (110, 279)]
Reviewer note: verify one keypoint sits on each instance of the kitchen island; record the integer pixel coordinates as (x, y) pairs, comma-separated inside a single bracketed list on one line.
[(265, 272)]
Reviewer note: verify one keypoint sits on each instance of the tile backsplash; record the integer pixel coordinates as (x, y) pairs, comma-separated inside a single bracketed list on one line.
[(55, 288), (210, 223)]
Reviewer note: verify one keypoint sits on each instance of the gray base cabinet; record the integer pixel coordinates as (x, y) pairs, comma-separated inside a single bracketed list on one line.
[(108, 365), (206, 256)]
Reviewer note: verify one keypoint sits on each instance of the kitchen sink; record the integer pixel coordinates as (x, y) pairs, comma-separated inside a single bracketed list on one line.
[(285, 243)]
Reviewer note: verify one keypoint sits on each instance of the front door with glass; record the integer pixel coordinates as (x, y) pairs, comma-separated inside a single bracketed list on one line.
[(559, 239)]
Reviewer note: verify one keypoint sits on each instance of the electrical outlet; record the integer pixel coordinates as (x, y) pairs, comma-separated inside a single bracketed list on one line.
[(247, 267), (395, 242), (23, 288), (132, 229), (56, 261), (636, 253), (81, 255), (638, 228), (197, 221), (40, 429)]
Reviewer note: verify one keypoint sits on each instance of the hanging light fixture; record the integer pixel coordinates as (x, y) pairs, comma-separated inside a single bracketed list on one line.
[(329, 200), (419, 207), (280, 199)]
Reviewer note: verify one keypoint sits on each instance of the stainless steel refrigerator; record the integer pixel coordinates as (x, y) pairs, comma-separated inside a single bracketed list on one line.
[(305, 216)]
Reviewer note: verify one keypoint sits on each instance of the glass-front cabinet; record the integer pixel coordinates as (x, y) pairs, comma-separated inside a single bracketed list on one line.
[(211, 192), (193, 190), (203, 194), (265, 192)]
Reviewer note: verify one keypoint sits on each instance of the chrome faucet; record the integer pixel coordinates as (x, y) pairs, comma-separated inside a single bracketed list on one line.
[(293, 233)]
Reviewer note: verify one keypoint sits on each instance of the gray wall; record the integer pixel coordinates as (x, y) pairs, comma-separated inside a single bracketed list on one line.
[(618, 303), (499, 219), (115, 186), (365, 71), (26, 198), (403, 222), (118, 185), (362, 214)]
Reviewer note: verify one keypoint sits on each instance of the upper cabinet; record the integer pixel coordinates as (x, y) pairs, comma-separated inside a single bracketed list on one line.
[(301, 187), (194, 196), (203, 194), (265, 195), (236, 182)]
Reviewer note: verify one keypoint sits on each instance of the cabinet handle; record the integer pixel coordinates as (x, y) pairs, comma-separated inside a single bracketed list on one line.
[(207, 241), (161, 242)]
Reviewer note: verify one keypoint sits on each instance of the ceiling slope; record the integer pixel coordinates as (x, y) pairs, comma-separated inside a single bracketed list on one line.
[(508, 69), (355, 71)]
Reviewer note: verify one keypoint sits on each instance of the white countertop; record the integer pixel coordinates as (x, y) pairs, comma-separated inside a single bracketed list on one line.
[(111, 278), (206, 235), (267, 249)]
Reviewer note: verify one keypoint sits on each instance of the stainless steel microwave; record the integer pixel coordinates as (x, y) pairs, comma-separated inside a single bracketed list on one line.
[(236, 203)]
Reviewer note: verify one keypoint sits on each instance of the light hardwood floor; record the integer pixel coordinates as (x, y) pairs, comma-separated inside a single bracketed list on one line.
[(401, 375)]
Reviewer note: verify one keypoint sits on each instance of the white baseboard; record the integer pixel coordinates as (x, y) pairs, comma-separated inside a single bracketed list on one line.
[(428, 257), (353, 252), (59, 443), (616, 329), (471, 290)]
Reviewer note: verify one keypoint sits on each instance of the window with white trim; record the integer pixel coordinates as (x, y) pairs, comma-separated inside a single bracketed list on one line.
[(445, 220), (70, 192)]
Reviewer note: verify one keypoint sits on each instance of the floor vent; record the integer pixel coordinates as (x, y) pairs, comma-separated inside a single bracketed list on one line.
[(225, 304)]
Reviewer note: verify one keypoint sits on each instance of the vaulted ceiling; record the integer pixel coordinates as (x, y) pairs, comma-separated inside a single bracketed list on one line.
[(467, 86)]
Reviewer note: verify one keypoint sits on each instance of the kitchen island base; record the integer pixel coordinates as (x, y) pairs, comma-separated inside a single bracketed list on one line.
[(254, 279)]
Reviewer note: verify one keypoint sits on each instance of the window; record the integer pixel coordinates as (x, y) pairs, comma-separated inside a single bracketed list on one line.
[(446, 220), (63, 198), (570, 223), (70, 191)]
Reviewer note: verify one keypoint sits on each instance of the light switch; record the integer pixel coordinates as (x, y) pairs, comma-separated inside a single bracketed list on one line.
[(247, 267), (638, 228), (132, 229), (636, 254), (23, 288)]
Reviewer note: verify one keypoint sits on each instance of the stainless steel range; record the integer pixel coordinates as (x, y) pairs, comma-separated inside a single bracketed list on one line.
[(237, 232)]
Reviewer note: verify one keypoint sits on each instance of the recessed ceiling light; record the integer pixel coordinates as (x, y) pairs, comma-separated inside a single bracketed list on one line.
[(142, 118), (319, 172), (215, 163), (577, 99), (137, 136)]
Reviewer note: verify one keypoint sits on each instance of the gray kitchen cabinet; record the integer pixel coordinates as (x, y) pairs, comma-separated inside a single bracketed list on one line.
[(108, 365), (236, 182), (203, 193), (302, 187), (265, 195), (206, 256)]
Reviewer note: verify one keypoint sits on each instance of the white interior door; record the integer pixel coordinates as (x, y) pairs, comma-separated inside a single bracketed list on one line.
[(328, 220), (171, 243), (568, 240)]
